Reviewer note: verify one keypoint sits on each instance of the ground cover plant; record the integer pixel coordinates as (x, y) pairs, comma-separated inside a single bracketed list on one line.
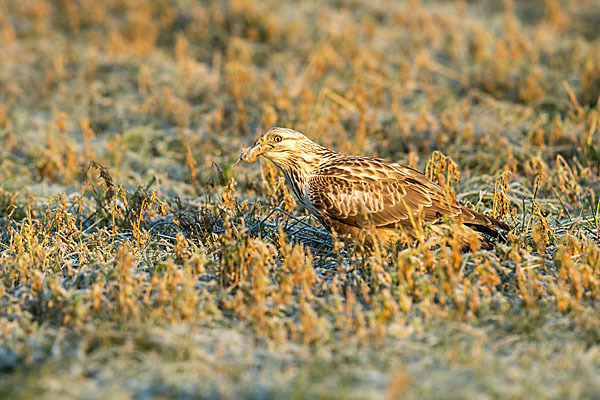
[(135, 262)]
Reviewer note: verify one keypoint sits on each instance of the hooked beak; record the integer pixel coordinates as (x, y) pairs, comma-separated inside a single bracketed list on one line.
[(251, 154)]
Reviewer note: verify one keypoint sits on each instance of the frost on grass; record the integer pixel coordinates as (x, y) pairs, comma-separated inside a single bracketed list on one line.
[(134, 260)]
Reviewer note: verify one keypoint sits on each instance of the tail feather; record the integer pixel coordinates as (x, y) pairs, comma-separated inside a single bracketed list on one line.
[(487, 227), (485, 223)]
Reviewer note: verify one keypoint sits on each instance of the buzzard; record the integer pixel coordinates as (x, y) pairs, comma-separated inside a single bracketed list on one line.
[(347, 193)]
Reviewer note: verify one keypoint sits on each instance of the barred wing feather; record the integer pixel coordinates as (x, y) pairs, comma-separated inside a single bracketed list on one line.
[(357, 190)]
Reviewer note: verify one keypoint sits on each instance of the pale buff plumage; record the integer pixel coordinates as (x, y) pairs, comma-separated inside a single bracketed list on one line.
[(347, 193)]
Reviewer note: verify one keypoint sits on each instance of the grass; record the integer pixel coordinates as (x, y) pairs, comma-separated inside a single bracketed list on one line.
[(135, 262)]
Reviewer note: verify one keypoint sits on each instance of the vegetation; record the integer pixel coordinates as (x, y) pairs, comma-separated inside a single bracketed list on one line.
[(136, 262)]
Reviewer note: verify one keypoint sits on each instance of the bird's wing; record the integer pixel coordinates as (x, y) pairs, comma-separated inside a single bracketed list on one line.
[(356, 190)]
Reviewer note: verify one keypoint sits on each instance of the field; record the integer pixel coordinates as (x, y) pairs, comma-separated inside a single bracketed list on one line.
[(136, 262)]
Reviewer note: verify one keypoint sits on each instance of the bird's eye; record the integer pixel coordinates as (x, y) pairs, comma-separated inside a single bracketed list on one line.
[(277, 139)]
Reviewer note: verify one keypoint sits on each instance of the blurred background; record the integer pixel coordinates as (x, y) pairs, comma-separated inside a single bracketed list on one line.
[(143, 86)]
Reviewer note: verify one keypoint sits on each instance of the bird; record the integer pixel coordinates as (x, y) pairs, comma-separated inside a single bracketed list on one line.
[(348, 193)]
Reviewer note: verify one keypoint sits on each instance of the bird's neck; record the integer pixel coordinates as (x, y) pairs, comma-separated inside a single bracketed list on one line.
[(298, 168)]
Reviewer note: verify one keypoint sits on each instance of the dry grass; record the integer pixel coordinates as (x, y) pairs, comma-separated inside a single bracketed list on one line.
[(135, 262)]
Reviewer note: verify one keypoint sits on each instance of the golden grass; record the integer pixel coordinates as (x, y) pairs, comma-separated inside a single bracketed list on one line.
[(134, 261)]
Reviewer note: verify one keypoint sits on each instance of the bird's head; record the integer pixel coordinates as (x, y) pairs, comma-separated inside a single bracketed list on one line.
[(279, 145)]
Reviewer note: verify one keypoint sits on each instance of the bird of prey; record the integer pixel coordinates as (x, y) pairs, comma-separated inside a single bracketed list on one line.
[(347, 193)]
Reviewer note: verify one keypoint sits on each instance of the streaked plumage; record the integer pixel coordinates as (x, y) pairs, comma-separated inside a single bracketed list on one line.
[(348, 192)]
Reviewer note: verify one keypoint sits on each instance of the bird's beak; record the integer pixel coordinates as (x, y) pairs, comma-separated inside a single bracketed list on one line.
[(251, 154)]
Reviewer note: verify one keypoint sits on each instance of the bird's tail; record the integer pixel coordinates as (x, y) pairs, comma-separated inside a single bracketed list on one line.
[(487, 227)]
